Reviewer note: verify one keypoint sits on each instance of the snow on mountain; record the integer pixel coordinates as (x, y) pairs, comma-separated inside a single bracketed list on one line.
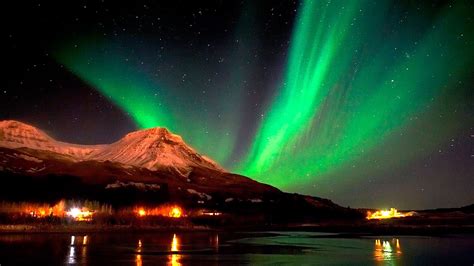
[(154, 148), (14, 134)]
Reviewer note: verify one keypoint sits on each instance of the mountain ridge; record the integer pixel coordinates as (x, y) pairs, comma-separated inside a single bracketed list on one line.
[(151, 166), (154, 148)]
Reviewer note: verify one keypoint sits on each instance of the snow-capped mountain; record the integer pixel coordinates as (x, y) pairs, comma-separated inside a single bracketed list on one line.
[(153, 149), (146, 166), (14, 135), (151, 158)]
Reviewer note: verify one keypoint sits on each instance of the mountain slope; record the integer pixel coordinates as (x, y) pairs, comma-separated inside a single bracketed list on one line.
[(153, 149), (21, 166), (152, 156), (14, 134), (145, 167)]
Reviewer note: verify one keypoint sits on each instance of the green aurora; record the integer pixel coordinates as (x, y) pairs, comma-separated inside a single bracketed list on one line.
[(347, 90), (331, 111)]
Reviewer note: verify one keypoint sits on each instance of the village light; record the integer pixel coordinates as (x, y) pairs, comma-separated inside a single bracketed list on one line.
[(172, 211), (141, 212), (74, 212), (388, 214), (175, 212), (80, 214)]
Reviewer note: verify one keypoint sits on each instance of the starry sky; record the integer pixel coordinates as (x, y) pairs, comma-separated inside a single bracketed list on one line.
[(368, 103)]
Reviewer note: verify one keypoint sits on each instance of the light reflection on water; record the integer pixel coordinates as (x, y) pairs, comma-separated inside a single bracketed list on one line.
[(209, 248), (174, 257), (383, 250), (387, 250), (71, 256), (79, 242), (138, 258)]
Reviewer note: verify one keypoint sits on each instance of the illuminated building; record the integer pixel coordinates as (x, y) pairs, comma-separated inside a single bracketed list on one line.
[(387, 214), (175, 212), (172, 211), (80, 214)]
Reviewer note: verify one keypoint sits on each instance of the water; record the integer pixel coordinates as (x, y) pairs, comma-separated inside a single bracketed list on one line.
[(211, 248)]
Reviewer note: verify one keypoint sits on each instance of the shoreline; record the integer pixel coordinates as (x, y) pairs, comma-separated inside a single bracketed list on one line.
[(58, 229), (353, 230)]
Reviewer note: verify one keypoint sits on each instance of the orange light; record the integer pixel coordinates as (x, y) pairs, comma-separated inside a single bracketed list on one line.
[(43, 210), (138, 258), (174, 244), (174, 258), (172, 211), (175, 212)]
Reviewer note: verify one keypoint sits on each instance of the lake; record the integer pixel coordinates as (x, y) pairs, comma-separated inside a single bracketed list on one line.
[(218, 248)]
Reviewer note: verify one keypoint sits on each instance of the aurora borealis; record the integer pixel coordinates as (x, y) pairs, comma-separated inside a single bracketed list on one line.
[(333, 110), (316, 97)]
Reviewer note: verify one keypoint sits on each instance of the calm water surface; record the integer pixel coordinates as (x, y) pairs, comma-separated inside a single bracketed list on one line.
[(211, 248)]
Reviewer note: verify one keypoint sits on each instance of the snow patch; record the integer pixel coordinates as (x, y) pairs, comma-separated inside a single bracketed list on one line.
[(200, 194), (35, 170), (137, 185), (153, 149), (28, 158)]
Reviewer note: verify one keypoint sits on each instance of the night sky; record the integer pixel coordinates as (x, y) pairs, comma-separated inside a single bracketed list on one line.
[(368, 103)]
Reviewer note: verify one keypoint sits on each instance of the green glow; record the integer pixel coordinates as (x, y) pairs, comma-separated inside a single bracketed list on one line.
[(116, 77), (128, 77), (128, 83), (356, 79), (330, 111)]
